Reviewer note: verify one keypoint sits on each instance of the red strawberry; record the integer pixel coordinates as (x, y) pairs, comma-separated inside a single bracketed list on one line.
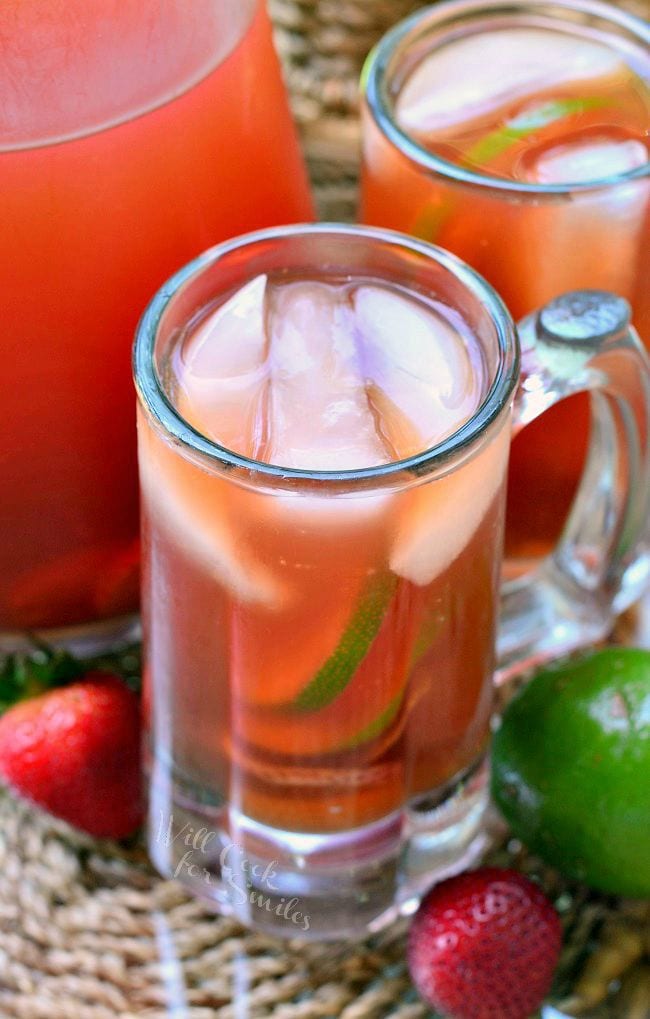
[(76, 752), (484, 945)]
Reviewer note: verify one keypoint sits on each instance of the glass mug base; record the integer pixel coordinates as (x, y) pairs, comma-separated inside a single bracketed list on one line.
[(84, 640), (319, 886)]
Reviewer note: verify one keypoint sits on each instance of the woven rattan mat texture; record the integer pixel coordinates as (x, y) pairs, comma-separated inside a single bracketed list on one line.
[(323, 44), (87, 931)]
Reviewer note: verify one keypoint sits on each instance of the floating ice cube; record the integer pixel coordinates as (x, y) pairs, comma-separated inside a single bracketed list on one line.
[(319, 415), (593, 238), (471, 76), (231, 341), (224, 368), (320, 376), (425, 384), (196, 511), (585, 159), (443, 514)]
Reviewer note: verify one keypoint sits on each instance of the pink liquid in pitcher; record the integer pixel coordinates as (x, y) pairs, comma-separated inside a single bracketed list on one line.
[(132, 136)]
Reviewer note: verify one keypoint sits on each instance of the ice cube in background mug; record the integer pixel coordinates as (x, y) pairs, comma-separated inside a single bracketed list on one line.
[(602, 231), (584, 158), (516, 137), (458, 84), (320, 643)]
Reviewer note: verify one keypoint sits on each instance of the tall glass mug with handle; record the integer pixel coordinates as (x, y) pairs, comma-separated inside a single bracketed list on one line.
[(516, 135), (132, 136), (325, 417)]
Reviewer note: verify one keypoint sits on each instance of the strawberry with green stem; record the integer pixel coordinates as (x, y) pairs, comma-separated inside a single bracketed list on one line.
[(70, 738)]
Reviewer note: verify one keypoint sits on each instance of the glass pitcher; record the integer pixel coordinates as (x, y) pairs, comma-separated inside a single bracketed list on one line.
[(132, 135)]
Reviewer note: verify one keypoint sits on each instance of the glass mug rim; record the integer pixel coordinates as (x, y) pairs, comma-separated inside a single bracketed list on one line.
[(153, 396), (377, 72)]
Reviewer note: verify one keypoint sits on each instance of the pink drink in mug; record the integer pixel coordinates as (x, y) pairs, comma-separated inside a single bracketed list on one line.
[(325, 420), (516, 136)]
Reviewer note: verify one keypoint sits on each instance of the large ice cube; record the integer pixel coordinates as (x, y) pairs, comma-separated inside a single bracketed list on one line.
[(585, 159), (319, 418), (197, 512), (592, 238), (223, 371), (471, 76), (425, 383), (442, 515)]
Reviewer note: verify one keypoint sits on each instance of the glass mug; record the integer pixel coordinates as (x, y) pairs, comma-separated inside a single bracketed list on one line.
[(327, 819), (120, 150), (532, 241)]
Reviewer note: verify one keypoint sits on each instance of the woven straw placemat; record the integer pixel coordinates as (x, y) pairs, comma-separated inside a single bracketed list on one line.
[(88, 931), (323, 44)]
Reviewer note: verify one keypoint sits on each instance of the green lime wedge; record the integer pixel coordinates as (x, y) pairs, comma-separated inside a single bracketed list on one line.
[(433, 217), (427, 634), (378, 725), (335, 674), (526, 123)]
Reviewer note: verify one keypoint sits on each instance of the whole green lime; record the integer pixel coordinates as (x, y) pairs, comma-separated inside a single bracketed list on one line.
[(571, 769)]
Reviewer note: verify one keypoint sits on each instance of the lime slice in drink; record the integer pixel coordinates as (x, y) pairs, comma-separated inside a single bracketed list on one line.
[(430, 627), (307, 631), (377, 727), (335, 674), (528, 122), (356, 693)]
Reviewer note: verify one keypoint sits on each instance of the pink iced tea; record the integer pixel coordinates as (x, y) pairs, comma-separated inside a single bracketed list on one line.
[(317, 657), (132, 136), (539, 133)]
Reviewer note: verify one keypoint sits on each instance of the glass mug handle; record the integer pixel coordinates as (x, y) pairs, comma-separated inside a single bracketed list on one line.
[(583, 342)]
